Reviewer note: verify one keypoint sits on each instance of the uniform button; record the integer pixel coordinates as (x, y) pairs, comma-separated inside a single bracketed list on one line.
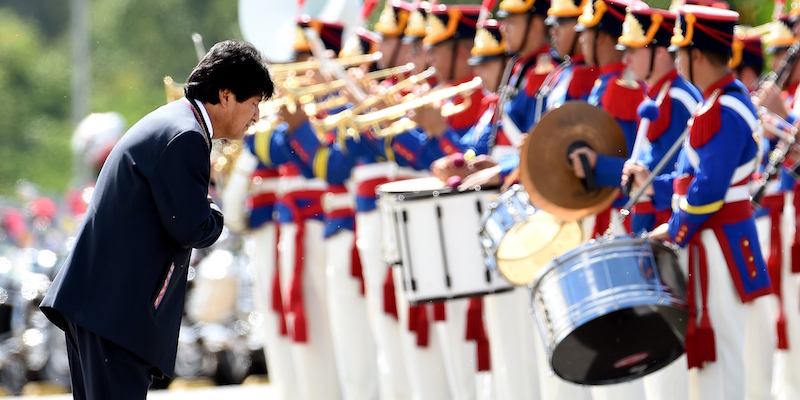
[(746, 243), (753, 274), (749, 259)]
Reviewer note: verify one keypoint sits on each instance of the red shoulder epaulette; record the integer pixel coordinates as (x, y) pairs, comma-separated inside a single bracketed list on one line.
[(583, 78), (622, 101), (707, 121), (660, 125)]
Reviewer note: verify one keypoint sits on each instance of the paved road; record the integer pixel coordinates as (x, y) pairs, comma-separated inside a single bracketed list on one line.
[(237, 392)]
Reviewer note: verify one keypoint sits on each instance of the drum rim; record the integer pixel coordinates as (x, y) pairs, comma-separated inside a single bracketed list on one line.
[(427, 194), (572, 253)]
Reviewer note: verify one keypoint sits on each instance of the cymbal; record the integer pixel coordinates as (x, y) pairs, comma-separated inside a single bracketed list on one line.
[(546, 171)]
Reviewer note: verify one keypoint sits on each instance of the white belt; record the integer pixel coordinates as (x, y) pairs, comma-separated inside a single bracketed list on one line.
[(337, 201), (264, 185), (299, 183)]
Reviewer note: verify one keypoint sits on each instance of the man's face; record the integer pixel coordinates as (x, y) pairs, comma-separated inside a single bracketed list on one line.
[(413, 52), (490, 72), (587, 39), (638, 61), (441, 57), (388, 46), (682, 61), (563, 35), (238, 117), (515, 27)]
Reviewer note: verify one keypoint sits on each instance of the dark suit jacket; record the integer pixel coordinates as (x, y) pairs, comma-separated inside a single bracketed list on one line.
[(148, 211)]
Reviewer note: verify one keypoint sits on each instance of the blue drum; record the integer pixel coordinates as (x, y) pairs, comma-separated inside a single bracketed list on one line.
[(611, 310)]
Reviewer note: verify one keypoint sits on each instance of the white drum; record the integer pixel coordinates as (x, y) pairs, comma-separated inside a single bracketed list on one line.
[(436, 239)]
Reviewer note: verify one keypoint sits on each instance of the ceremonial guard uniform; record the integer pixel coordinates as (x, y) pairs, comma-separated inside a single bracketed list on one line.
[(712, 214), (674, 101), (248, 201), (573, 79), (301, 252), (617, 93)]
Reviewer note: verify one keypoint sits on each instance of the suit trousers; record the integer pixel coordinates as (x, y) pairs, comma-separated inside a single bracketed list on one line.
[(101, 369)]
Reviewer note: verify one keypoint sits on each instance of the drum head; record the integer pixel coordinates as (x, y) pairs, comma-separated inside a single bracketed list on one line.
[(531, 245)]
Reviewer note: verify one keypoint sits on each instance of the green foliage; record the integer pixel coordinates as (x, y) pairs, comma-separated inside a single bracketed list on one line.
[(134, 44)]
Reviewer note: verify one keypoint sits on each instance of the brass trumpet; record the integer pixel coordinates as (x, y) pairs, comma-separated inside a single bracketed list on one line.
[(289, 69), (349, 124)]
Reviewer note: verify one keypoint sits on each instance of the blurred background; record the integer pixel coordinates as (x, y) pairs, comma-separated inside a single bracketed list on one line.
[(60, 61)]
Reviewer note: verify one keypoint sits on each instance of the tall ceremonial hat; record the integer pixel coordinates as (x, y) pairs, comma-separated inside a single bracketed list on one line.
[(780, 36), (510, 7), (747, 49), (564, 9), (450, 22), (604, 15), (329, 32), (645, 26), (417, 26), (393, 19), (704, 28), (363, 41), (490, 43)]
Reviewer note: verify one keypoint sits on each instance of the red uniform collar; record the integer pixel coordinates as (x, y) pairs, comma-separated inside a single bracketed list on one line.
[(616, 67), (724, 81), (669, 77)]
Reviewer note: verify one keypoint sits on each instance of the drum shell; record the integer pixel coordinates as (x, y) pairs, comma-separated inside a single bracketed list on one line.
[(438, 245), (612, 310), (511, 208)]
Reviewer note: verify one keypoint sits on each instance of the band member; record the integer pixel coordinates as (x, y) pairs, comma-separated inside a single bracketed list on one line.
[(779, 232), (248, 201), (618, 93), (301, 255), (573, 80), (712, 214), (749, 66), (412, 49), (645, 39)]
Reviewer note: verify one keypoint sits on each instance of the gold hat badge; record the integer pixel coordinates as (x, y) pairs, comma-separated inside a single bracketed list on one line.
[(565, 8), (679, 38), (417, 27), (391, 23), (633, 34), (486, 44), (592, 13), (516, 6)]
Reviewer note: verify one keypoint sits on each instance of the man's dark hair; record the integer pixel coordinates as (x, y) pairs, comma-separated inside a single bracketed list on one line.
[(233, 65), (718, 58)]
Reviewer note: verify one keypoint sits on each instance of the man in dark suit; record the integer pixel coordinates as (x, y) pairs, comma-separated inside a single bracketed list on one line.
[(120, 294)]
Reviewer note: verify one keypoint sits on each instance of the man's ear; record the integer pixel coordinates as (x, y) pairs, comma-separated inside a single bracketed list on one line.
[(225, 96)]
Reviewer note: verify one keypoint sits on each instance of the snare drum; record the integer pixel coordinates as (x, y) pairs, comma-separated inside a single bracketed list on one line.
[(611, 310), (518, 239), (436, 232)]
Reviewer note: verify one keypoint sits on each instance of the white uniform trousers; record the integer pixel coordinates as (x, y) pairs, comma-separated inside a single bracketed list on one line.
[(725, 378), (261, 244), (314, 361), (761, 335), (393, 380), (353, 344), (672, 381), (459, 355), (424, 365), (787, 362), (510, 327)]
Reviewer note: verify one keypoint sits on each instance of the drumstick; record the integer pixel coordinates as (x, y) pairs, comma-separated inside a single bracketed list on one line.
[(648, 111)]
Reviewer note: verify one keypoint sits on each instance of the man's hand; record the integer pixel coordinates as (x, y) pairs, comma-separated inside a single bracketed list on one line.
[(661, 233), (487, 177), (575, 158), (769, 97), (430, 120), (639, 173), (293, 119)]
